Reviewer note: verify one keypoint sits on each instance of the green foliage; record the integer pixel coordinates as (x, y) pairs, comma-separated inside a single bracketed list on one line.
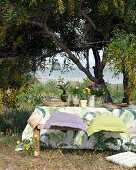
[(2, 124), (11, 11), (14, 74), (23, 31), (133, 99), (121, 56), (74, 90), (15, 121), (115, 7), (26, 145), (35, 93), (102, 143), (14, 80), (9, 138), (116, 92), (51, 89), (63, 86), (115, 51)]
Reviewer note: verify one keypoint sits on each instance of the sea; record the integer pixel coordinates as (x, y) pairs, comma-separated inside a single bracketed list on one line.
[(75, 75)]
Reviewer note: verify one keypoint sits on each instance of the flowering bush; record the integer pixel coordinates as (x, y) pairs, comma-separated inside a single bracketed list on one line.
[(83, 91), (26, 145), (96, 89)]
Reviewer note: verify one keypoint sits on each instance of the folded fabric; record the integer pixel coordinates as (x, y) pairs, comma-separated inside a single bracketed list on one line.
[(65, 120), (107, 123), (126, 159), (34, 120)]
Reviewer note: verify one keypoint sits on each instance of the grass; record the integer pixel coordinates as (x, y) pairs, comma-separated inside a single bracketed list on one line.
[(52, 159), (9, 138), (56, 159)]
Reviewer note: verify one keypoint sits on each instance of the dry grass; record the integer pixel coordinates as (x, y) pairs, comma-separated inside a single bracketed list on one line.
[(55, 159)]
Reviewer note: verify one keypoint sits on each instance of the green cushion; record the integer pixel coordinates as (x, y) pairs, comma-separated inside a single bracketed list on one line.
[(107, 123)]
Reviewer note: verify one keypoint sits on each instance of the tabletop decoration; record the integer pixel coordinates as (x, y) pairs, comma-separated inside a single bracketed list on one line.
[(83, 95), (74, 100), (63, 86), (96, 89)]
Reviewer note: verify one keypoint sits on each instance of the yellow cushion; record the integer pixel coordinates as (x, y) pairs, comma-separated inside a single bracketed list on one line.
[(107, 123)]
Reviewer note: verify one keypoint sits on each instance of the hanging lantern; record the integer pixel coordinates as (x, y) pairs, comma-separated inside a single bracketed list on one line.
[(56, 65)]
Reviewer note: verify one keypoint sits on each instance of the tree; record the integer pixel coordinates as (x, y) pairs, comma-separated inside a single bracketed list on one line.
[(121, 51), (68, 26), (121, 56)]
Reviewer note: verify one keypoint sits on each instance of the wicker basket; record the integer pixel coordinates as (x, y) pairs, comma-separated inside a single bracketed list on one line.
[(114, 106), (55, 103), (122, 105)]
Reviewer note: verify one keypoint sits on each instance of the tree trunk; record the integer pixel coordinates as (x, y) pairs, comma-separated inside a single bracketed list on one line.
[(107, 96), (98, 72), (99, 75), (125, 86)]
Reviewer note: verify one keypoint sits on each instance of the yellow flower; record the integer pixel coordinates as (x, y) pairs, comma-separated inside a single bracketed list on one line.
[(84, 91), (18, 142), (89, 90), (26, 145), (27, 148)]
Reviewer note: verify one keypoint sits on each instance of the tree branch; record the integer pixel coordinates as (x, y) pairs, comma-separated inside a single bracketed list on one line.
[(87, 18), (35, 23), (64, 48), (70, 54)]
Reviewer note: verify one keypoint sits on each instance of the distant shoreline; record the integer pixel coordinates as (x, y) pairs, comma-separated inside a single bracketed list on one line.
[(77, 76)]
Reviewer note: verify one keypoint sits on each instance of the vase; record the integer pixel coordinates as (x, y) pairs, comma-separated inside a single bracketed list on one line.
[(64, 97), (75, 101), (91, 101), (83, 103)]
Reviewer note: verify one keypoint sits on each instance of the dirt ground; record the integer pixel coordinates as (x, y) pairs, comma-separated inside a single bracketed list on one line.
[(55, 159)]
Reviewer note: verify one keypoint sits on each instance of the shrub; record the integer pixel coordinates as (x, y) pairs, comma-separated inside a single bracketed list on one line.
[(15, 121), (37, 92), (2, 124)]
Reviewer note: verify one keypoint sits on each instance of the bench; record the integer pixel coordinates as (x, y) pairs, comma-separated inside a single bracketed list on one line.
[(36, 136)]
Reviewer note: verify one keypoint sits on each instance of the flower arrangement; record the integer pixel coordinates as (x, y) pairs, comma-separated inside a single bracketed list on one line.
[(74, 91), (84, 93), (85, 90), (63, 86), (96, 89)]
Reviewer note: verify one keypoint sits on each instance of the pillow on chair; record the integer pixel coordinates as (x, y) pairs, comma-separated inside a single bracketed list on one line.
[(63, 120), (107, 123), (34, 120)]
